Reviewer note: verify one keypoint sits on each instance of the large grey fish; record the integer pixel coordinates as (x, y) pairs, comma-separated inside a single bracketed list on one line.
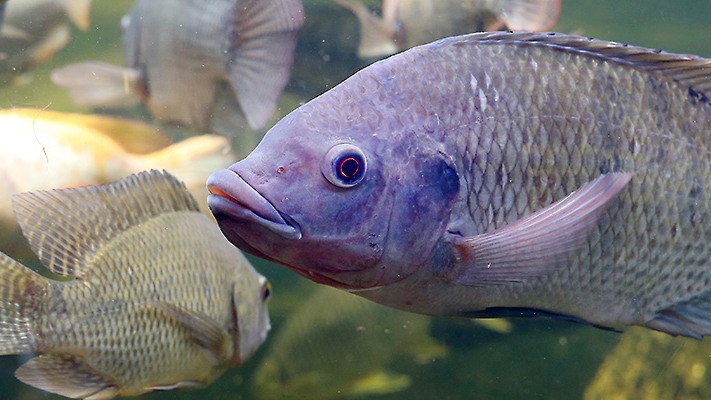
[(408, 23), (539, 173), (206, 64), (157, 298)]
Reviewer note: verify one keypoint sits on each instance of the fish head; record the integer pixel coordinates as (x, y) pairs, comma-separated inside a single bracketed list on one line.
[(250, 295), (335, 201)]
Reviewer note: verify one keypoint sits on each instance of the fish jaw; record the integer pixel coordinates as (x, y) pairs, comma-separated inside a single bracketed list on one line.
[(230, 194)]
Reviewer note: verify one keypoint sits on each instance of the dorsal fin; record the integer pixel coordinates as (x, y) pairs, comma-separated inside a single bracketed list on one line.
[(67, 227), (688, 70)]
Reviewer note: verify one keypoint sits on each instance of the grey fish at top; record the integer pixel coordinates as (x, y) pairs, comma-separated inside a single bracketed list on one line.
[(495, 172), (207, 64)]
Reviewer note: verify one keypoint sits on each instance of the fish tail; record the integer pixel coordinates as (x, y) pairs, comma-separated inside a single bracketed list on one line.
[(78, 11), (191, 161), (22, 292), (376, 35), (528, 15)]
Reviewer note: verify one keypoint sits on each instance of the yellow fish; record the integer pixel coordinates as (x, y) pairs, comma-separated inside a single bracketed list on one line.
[(156, 299), (41, 150)]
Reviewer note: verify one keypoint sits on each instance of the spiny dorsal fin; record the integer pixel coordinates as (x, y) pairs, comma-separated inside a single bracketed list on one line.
[(66, 227), (688, 70)]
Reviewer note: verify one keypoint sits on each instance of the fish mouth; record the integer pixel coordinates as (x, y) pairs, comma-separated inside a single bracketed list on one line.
[(232, 196)]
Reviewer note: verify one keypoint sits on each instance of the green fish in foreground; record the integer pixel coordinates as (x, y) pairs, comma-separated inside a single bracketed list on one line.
[(158, 298), (495, 174)]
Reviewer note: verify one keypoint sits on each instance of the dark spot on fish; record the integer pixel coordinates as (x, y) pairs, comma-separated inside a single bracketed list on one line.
[(33, 289), (661, 153), (604, 166), (631, 145), (616, 163), (695, 192), (696, 218), (690, 275), (697, 97)]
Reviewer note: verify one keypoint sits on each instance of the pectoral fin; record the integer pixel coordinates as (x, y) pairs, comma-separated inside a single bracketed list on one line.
[(538, 244), (67, 375), (203, 330)]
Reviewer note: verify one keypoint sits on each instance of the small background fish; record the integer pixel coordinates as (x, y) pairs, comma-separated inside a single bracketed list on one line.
[(217, 67), (33, 30), (408, 23), (41, 149), (156, 298)]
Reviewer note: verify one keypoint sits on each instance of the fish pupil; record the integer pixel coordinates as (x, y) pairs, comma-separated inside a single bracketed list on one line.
[(349, 167)]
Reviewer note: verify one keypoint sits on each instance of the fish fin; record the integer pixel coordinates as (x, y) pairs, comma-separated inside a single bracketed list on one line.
[(187, 385), (54, 41), (262, 54), (378, 382), (690, 318), (191, 161), (8, 31), (690, 71), (98, 84), (227, 117), (528, 15), (202, 329), (376, 35), (22, 292), (521, 312), (538, 244), (67, 375), (79, 12), (66, 228)]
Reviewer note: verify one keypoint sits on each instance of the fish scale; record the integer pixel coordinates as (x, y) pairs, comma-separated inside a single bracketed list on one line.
[(581, 167)]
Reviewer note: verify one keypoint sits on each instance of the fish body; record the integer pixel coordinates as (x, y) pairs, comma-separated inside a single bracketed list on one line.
[(408, 23), (497, 172), (42, 149), (157, 298), (33, 30), (208, 65)]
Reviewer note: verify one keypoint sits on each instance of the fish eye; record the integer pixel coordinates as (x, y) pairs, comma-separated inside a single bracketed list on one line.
[(344, 165), (266, 290)]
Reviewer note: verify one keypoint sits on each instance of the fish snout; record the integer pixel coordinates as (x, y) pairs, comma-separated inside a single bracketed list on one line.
[(231, 197)]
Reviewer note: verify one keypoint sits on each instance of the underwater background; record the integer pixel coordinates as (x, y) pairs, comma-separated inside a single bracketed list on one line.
[(325, 344)]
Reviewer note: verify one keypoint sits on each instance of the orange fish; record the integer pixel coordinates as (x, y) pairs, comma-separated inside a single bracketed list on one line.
[(42, 149)]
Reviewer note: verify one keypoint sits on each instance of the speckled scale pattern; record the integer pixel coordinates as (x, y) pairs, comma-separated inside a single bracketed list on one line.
[(527, 123), (105, 311), (109, 321)]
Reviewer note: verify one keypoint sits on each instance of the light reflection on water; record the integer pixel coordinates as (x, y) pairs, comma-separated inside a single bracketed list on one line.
[(539, 359)]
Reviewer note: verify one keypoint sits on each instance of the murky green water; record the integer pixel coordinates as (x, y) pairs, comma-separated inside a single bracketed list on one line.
[(537, 359)]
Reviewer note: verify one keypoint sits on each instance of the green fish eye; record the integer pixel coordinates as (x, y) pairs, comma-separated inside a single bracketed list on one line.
[(344, 165)]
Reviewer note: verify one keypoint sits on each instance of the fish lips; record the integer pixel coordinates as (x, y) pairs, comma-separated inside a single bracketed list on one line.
[(231, 198)]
